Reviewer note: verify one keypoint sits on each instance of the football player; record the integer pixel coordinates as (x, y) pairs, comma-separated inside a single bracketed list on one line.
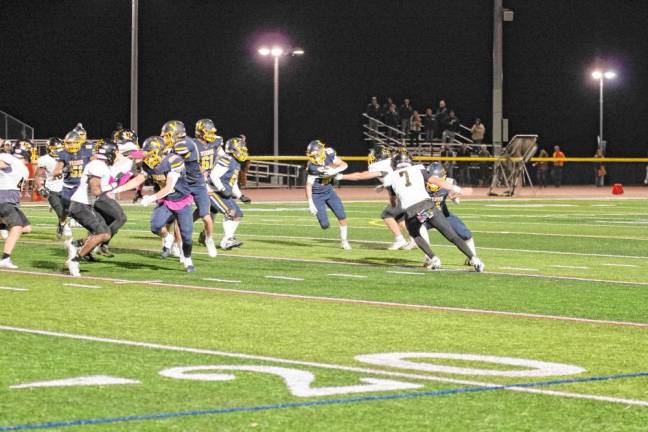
[(225, 189), (72, 160), (175, 137), (173, 196), (50, 186), (323, 166), (379, 159), (210, 147), (94, 182), (440, 195), (13, 173)]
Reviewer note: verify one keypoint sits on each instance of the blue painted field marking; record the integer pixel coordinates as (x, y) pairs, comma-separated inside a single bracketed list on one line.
[(285, 405)]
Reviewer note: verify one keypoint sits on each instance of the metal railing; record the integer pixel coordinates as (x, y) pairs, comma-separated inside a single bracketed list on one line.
[(266, 173), (13, 128)]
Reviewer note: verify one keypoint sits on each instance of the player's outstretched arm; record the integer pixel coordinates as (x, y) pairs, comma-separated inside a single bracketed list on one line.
[(131, 184), (309, 194), (361, 175)]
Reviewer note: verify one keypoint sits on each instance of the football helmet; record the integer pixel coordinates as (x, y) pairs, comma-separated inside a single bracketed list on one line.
[(126, 135), (316, 152), (54, 145), (172, 131), (21, 149), (401, 159), (72, 142), (107, 151), (377, 153), (237, 148), (436, 169), (82, 132), (153, 147), (99, 143), (205, 130)]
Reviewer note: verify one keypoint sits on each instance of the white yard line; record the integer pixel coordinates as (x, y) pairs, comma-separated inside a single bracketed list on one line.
[(75, 285), (518, 268), (362, 370), (569, 267), (363, 302), (620, 265), (346, 275), (13, 289), (405, 272), (221, 280), (283, 278)]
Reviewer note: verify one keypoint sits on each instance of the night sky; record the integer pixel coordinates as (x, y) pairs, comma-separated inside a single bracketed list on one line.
[(66, 61)]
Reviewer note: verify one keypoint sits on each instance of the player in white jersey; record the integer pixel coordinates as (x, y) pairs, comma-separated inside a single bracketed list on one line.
[(409, 184), (95, 181), (50, 186), (393, 216), (13, 173)]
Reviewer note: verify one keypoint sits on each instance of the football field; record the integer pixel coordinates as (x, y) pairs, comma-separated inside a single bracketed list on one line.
[(290, 332)]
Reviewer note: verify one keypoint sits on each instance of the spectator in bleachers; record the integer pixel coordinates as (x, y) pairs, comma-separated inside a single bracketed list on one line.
[(441, 117), (386, 106), (484, 167), (451, 128), (375, 112), (415, 128), (542, 169), (429, 123), (557, 171), (477, 131), (464, 167), (392, 120), (599, 169), (405, 112)]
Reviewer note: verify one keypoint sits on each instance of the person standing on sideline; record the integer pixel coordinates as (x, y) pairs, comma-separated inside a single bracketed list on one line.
[(599, 169), (557, 171), (415, 128), (542, 169), (405, 112), (478, 130)]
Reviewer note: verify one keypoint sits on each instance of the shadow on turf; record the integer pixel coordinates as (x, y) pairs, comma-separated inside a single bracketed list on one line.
[(376, 261)]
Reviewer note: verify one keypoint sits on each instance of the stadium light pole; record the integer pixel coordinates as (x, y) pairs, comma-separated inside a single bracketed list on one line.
[(601, 76), (134, 60), (276, 52)]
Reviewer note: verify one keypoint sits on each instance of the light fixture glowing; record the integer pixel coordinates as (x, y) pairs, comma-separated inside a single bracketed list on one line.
[(597, 74), (297, 51), (264, 51), (609, 75), (276, 51)]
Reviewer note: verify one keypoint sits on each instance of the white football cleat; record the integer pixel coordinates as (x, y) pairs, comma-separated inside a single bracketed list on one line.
[(71, 249), (73, 268), (410, 245), (432, 263), (4, 234), (67, 231), (231, 243), (346, 245), (477, 264), (6, 263), (211, 247), (398, 244), (175, 251)]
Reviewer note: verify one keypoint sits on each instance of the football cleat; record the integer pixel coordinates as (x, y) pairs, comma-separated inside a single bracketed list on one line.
[(477, 264), (433, 263), (4, 234), (211, 247), (73, 268), (346, 245), (231, 243), (105, 251), (176, 251), (410, 245), (188, 264), (67, 231), (398, 244), (7, 264), (165, 252)]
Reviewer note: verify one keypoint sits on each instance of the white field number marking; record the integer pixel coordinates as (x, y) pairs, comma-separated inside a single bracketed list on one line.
[(536, 368), (95, 380), (298, 381)]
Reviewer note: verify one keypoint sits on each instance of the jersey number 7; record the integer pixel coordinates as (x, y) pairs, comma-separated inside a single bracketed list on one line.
[(405, 174)]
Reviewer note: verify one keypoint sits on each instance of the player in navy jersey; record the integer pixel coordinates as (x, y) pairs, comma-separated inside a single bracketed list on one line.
[(210, 147), (71, 161), (224, 189), (440, 195), (173, 197), (323, 166)]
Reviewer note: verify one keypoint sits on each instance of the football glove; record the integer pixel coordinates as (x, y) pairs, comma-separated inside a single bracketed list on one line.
[(147, 199), (312, 208), (44, 192)]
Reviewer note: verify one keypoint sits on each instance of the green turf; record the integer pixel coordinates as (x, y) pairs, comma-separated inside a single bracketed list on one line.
[(534, 250)]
